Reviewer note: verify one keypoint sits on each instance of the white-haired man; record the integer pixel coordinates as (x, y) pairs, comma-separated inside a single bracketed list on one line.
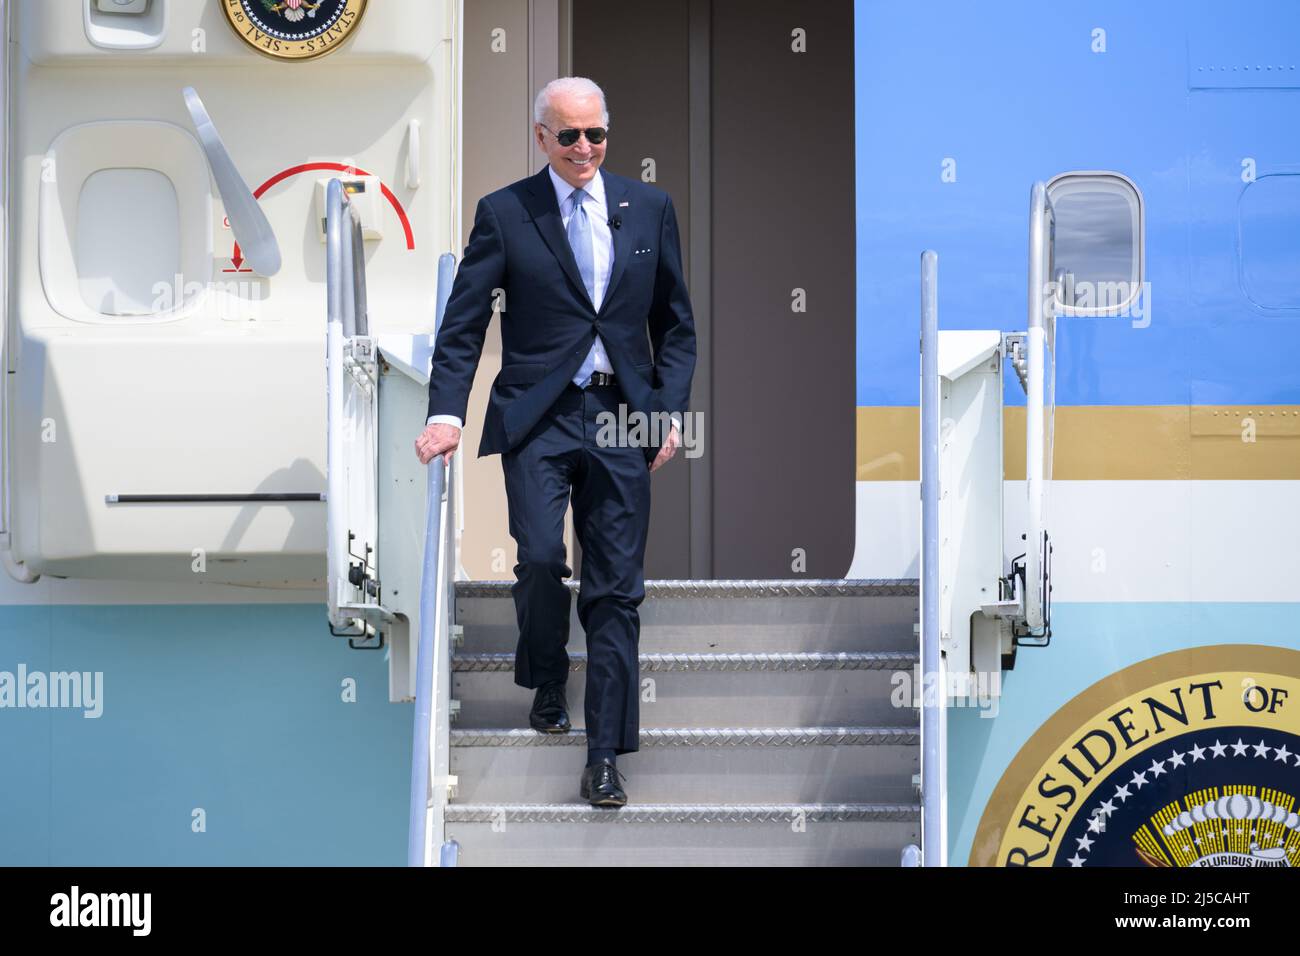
[(590, 266)]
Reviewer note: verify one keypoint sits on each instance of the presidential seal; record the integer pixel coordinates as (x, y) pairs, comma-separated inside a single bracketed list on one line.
[(294, 29), (1187, 759)]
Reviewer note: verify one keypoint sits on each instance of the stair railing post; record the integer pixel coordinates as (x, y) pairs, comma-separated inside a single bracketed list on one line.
[(934, 838), (428, 744)]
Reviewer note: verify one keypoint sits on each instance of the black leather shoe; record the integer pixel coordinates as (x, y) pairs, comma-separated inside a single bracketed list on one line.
[(599, 785), (550, 713)]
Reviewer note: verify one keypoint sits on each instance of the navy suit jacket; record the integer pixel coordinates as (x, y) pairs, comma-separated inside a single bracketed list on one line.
[(548, 324)]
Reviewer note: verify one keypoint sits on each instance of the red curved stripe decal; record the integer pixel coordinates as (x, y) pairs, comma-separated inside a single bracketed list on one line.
[(284, 174)]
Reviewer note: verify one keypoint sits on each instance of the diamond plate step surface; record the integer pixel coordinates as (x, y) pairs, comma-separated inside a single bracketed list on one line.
[(696, 765), (715, 692), (683, 835), (723, 617), (682, 813), (663, 662), (769, 732)]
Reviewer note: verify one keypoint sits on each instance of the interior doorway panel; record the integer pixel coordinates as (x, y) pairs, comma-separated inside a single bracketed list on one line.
[(778, 300)]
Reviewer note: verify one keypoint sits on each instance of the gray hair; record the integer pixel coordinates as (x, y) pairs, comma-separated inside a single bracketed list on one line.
[(575, 85)]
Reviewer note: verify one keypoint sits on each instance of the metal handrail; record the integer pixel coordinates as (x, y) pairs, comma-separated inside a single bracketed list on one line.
[(348, 318), (346, 312), (345, 256), (933, 691), (339, 303), (422, 732), (431, 708), (1042, 224)]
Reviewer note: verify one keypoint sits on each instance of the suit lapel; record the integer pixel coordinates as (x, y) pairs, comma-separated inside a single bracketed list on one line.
[(545, 211), (616, 191)]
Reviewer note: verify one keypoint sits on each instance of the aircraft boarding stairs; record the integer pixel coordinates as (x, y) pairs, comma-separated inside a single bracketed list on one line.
[(783, 722), (768, 733), (777, 717)]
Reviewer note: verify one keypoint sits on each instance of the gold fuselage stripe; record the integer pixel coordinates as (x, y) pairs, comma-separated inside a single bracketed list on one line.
[(1111, 442)]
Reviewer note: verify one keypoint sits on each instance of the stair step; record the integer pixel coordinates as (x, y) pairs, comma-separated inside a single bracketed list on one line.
[(658, 588), (811, 693), (724, 617), (641, 813), (698, 737), (663, 662), (696, 765), (758, 834)]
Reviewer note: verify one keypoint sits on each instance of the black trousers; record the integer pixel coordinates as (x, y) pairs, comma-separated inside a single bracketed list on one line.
[(565, 457)]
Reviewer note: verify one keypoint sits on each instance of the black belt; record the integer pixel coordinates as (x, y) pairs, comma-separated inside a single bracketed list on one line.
[(601, 378)]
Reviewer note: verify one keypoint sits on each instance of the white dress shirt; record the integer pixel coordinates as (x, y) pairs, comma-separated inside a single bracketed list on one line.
[(602, 259)]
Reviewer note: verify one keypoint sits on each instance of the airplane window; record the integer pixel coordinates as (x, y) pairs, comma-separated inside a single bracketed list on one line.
[(1098, 242), (127, 240)]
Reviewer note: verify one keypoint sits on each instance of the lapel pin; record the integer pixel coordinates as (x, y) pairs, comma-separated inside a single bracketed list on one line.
[(622, 204)]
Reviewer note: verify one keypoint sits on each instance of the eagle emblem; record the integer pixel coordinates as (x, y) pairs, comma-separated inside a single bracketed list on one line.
[(291, 10)]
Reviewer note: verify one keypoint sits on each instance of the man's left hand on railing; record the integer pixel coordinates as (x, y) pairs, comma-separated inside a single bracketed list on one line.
[(437, 439)]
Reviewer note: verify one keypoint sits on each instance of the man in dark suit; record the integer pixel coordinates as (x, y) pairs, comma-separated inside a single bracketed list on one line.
[(585, 267)]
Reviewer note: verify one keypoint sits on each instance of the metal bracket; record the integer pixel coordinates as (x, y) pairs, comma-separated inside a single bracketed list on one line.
[(374, 614), (361, 360), (1005, 610), (1013, 347), (373, 618), (451, 781)]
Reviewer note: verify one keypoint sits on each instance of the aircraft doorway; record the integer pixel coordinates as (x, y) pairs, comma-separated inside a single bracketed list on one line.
[(742, 110)]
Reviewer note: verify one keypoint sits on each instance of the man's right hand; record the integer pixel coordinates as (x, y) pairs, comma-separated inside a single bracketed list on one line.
[(437, 439)]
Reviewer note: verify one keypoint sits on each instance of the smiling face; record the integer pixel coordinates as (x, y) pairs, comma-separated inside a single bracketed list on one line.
[(576, 164)]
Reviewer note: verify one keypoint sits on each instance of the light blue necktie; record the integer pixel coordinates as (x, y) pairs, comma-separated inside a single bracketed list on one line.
[(583, 253)]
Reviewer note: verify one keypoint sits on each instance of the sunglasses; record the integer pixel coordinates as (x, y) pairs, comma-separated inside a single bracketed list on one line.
[(567, 137)]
